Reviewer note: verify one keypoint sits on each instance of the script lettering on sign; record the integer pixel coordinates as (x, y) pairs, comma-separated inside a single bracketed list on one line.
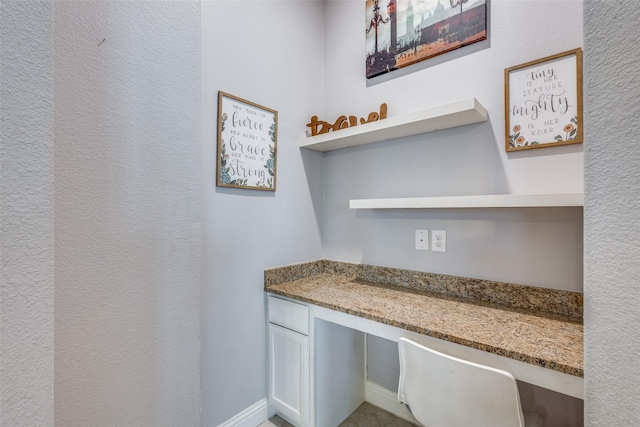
[(247, 135), (544, 105)]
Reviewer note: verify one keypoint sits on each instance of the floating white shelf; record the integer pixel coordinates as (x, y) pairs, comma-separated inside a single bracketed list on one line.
[(442, 117), (489, 201)]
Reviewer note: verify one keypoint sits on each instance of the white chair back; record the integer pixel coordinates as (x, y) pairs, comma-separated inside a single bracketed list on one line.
[(444, 391)]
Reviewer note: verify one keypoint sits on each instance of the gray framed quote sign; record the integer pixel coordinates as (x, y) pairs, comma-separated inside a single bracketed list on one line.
[(543, 102), (247, 144)]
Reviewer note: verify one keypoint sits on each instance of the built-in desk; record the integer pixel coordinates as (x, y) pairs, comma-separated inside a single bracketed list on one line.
[(536, 334)]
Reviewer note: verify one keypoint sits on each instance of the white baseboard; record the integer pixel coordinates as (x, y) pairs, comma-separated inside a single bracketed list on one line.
[(378, 396), (254, 415), (387, 400)]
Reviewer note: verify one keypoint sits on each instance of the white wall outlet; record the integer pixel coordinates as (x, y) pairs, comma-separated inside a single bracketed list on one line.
[(439, 241), (422, 240)]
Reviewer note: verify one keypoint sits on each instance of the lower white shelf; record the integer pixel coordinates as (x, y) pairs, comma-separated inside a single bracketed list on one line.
[(482, 201)]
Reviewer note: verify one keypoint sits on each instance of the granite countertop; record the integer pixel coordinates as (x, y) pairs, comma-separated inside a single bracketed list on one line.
[(517, 330)]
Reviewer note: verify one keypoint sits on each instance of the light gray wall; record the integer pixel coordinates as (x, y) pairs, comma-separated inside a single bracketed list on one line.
[(128, 170), (26, 213), (127, 213), (112, 174), (537, 247), (270, 53), (612, 218)]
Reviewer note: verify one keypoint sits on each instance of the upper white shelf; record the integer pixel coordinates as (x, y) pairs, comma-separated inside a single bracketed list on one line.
[(442, 117), (489, 201)]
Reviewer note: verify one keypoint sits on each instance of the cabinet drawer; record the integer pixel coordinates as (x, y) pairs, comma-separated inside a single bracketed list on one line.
[(288, 314)]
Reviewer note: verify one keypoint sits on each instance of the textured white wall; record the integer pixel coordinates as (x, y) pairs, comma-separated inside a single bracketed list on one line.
[(539, 247), (271, 53), (612, 214), (127, 213), (127, 250), (26, 214)]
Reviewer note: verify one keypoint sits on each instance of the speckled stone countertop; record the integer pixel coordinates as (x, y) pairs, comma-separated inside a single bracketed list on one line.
[(534, 325)]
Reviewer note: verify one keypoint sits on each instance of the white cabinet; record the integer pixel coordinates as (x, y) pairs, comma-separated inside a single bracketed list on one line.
[(288, 358)]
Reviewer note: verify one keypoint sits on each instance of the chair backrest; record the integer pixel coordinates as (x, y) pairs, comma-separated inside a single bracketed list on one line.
[(444, 391)]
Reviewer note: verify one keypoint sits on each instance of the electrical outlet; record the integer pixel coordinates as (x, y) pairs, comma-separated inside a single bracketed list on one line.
[(422, 240), (439, 241)]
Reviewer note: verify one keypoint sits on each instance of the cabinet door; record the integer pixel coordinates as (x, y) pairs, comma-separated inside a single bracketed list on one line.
[(289, 374)]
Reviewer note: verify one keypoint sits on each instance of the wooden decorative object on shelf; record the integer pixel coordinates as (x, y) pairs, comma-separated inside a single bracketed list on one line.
[(318, 127)]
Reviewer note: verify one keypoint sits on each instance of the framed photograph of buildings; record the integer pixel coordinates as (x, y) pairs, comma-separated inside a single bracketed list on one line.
[(247, 138), (543, 102), (399, 33)]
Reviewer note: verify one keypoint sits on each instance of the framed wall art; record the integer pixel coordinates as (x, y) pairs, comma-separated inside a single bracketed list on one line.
[(543, 102), (399, 33), (247, 144)]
